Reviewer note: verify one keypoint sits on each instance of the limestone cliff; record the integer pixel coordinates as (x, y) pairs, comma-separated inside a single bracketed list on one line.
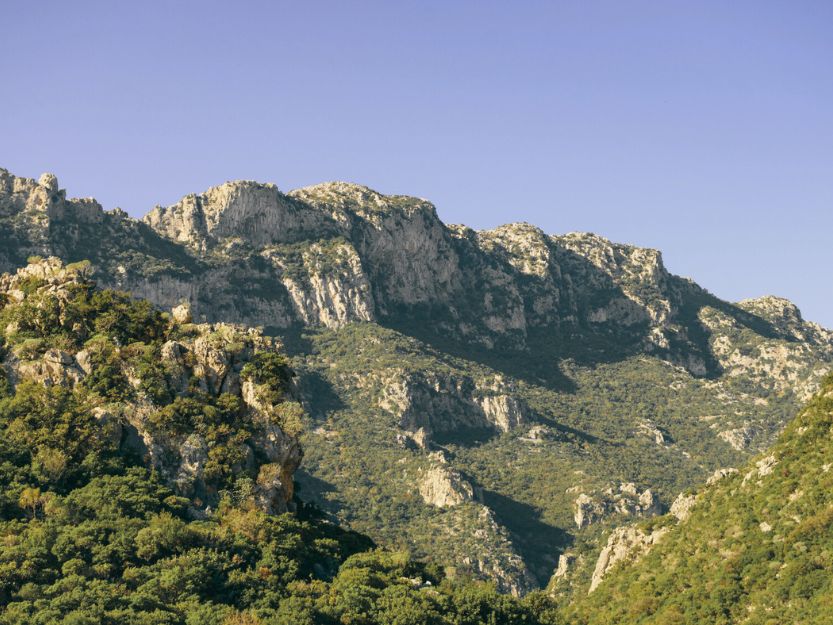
[(433, 404), (334, 253), (146, 395), (625, 543)]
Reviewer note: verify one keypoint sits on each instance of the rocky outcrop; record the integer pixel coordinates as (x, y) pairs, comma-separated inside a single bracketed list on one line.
[(258, 214), (406, 249), (216, 357), (787, 319), (740, 438), (682, 505), (719, 474), (442, 486), (650, 429), (209, 358), (565, 563), (43, 198), (624, 544), (428, 404), (638, 272), (54, 368), (625, 500), (588, 510), (763, 467), (776, 355)]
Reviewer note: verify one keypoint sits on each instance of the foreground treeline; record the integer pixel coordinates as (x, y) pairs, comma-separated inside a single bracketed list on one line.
[(90, 535), (119, 549)]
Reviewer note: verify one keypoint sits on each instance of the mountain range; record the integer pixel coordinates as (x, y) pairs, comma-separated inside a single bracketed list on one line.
[(499, 401)]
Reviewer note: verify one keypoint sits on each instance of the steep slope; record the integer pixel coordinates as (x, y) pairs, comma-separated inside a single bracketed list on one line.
[(753, 547), (204, 406), (143, 461), (555, 378)]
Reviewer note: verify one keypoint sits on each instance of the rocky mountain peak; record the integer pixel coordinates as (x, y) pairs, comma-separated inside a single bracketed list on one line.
[(28, 195), (642, 263), (506, 348), (258, 214), (524, 246), (41, 201), (332, 253), (49, 182), (348, 196), (776, 309)]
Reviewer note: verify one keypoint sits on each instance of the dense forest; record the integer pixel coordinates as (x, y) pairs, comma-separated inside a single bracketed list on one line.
[(90, 534)]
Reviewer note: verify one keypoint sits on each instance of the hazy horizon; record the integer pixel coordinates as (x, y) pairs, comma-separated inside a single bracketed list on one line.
[(705, 131)]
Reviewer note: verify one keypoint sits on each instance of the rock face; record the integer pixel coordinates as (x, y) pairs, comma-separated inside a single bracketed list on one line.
[(776, 356), (444, 487), (739, 438), (208, 358), (719, 474), (435, 404), (681, 508), (329, 287), (625, 543), (565, 562), (624, 500), (54, 368), (650, 429), (335, 253), (257, 213)]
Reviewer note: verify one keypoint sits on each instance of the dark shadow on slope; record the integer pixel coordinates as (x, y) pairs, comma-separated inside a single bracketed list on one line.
[(312, 491), (693, 300), (534, 358), (464, 436), (116, 240), (318, 394), (426, 326), (538, 543), (575, 337), (568, 432), (11, 256), (696, 298), (295, 341)]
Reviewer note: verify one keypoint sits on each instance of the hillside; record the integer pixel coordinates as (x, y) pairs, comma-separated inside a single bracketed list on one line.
[(146, 468), (496, 399), (754, 547)]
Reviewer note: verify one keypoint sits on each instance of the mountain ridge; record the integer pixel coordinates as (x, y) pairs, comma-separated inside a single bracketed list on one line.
[(581, 363)]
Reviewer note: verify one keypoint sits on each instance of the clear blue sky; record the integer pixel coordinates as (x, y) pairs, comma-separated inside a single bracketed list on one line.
[(701, 128)]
